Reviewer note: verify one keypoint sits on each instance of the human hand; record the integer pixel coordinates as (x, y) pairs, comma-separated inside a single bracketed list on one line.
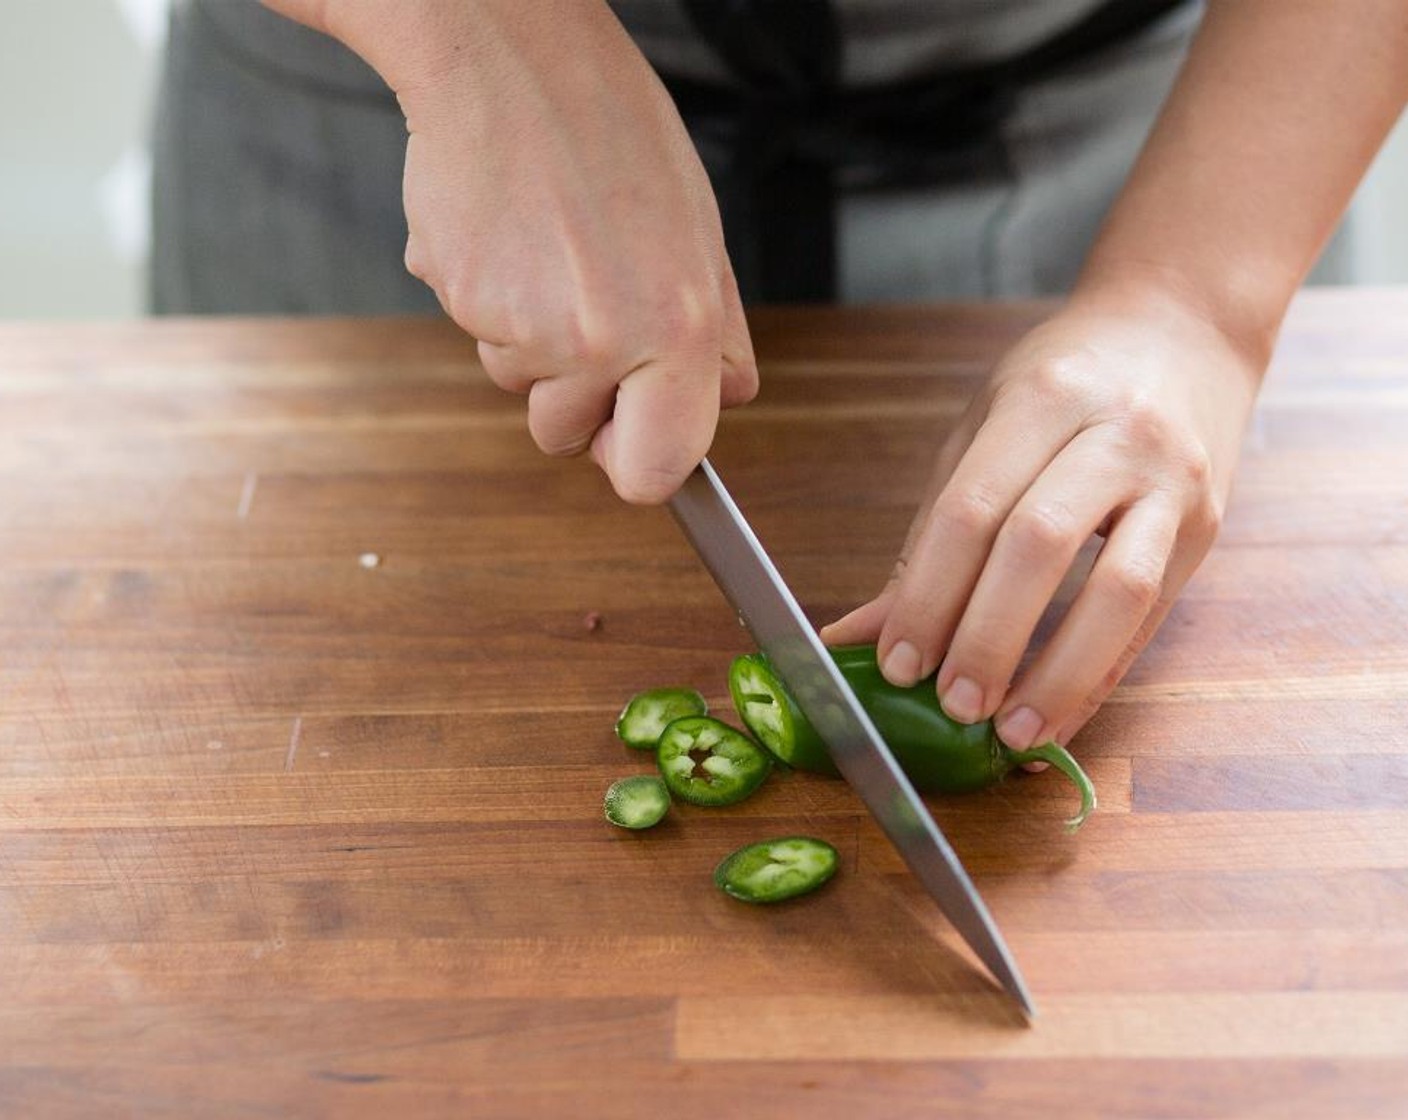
[(557, 207), (1117, 416)]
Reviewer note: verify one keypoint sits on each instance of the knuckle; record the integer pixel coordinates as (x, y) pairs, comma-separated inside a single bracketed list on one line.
[(984, 655), (1133, 584), (587, 338), (1196, 467), (499, 368), (1203, 524), (1212, 513), (1144, 423), (1042, 527), (988, 650), (969, 512), (1143, 433), (1058, 378), (742, 382), (1184, 459), (687, 318), (1145, 427), (593, 335), (415, 260), (458, 297)]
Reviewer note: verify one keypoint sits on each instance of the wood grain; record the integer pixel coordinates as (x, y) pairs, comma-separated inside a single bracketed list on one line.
[(283, 833), (1103, 1025)]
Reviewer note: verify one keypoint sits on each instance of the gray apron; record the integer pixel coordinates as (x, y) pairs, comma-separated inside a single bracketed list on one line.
[(278, 158)]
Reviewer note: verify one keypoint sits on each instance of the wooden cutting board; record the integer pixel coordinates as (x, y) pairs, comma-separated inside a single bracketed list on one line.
[(310, 668)]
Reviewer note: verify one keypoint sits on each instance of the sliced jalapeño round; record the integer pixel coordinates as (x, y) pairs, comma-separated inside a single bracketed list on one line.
[(639, 801), (706, 762), (647, 713), (775, 870)]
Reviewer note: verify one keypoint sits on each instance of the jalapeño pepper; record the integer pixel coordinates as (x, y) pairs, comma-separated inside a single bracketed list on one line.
[(769, 712), (939, 754)]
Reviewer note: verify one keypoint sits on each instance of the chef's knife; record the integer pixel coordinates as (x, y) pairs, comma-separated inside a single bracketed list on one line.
[(731, 551)]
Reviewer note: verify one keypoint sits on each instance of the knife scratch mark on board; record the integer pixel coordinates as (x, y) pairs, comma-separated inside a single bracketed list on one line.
[(251, 480), (293, 743)]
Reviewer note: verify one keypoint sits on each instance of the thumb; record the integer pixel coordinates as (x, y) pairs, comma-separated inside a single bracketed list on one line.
[(663, 423)]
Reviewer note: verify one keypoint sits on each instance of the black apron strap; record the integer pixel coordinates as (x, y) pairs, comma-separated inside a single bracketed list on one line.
[(778, 201), (790, 130)]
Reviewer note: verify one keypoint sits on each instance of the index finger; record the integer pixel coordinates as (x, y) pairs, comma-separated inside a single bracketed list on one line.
[(1009, 451)]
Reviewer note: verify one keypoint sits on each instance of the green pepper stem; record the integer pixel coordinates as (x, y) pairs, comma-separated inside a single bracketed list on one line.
[(1061, 758)]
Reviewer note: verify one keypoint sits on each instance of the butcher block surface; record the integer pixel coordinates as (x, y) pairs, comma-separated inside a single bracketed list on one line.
[(310, 668)]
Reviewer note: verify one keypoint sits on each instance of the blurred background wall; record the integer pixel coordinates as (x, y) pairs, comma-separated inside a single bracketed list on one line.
[(76, 84)]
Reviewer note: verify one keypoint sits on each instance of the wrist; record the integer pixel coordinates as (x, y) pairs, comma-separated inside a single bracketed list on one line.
[(432, 53), (1246, 322), (410, 43)]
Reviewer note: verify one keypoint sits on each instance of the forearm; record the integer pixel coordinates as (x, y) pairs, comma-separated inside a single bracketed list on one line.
[(403, 40), (410, 43), (1276, 115)]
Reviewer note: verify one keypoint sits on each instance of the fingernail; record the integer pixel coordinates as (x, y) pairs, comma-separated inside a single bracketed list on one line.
[(902, 665), (963, 701), (1019, 728)]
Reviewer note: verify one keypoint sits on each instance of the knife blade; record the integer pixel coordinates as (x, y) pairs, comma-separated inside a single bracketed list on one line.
[(732, 553)]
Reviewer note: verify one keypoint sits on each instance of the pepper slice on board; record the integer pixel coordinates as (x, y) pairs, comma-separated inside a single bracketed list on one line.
[(706, 762), (647, 713), (774, 870), (939, 754), (639, 801)]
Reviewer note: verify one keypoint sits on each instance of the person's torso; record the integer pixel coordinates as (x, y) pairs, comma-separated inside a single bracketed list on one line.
[(881, 40)]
